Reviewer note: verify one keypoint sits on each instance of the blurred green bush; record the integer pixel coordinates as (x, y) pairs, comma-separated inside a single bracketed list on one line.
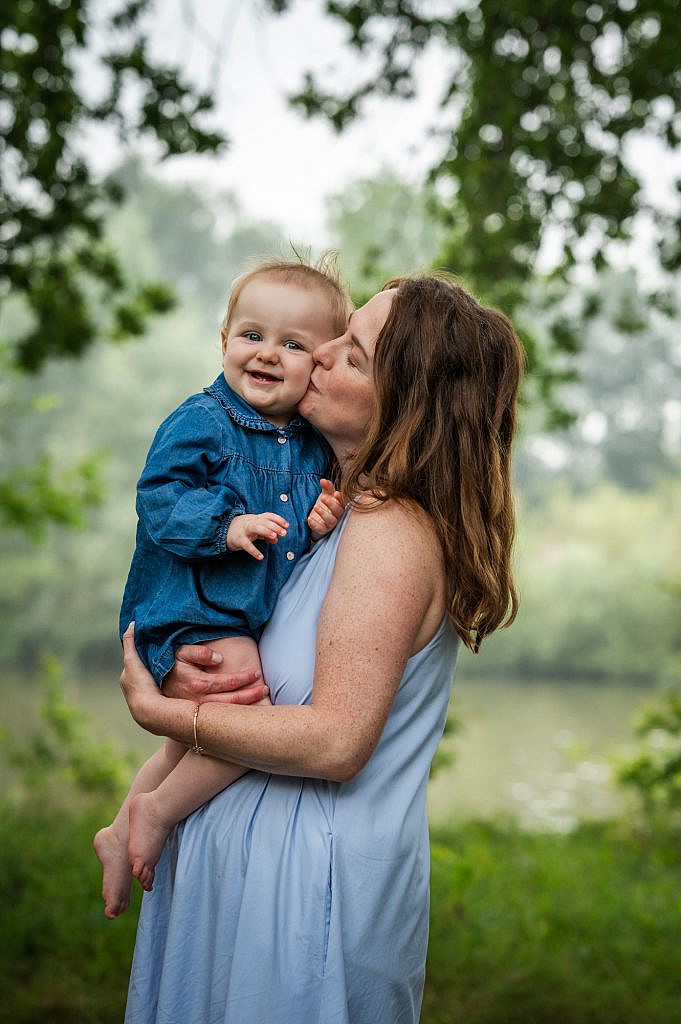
[(581, 928), (598, 573)]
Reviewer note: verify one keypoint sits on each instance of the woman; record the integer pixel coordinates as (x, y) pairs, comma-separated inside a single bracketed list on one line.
[(300, 894)]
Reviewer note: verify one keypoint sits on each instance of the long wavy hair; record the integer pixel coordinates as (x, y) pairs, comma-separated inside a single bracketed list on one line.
[(447, 372)]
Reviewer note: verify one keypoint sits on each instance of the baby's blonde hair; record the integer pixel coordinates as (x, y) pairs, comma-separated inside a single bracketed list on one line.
[(323, 274)]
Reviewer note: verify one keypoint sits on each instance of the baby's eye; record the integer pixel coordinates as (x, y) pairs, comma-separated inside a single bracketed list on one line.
[(253, 335), (294, 346)]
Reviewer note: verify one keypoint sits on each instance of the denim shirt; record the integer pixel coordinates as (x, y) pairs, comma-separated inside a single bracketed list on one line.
[(212, 459)]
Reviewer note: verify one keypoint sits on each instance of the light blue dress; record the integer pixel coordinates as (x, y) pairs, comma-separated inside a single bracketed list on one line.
[(301, 901)]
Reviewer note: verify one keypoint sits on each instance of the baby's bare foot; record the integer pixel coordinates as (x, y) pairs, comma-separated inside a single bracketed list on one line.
[(111, 847), (148, 833)]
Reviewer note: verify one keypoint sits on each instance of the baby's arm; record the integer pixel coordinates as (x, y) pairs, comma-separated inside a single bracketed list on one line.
[(183, 509), (327, 510)]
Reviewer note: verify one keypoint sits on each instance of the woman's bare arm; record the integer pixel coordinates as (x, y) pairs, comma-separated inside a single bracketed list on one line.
[(384, 603)]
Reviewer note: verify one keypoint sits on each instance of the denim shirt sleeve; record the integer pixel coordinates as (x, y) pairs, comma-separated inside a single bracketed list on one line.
[(183, 511)]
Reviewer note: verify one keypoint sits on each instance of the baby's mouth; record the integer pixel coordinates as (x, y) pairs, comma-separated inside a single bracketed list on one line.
[(263, 378)]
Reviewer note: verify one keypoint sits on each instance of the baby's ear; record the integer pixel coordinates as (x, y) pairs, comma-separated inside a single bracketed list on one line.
[(223, 339)]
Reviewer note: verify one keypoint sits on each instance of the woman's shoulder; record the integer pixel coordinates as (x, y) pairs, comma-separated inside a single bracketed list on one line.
[(389, 558), (394, 528)]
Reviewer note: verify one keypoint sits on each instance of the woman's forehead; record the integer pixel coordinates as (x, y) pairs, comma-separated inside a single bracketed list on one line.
[(368, 320)]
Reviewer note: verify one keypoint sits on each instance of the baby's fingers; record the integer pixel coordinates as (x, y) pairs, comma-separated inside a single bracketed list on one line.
[(323, 512), (331, 503), (330, 497), (250, 549), (276, 522), (320, 520), (270, 527)]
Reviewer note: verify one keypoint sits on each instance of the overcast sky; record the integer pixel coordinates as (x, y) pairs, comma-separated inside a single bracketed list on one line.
[(279, 165)]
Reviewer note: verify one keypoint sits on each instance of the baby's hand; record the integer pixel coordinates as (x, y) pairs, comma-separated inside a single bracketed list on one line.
[(243, 530), (328, 508)]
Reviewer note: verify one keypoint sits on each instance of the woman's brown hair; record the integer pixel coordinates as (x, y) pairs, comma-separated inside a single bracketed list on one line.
[(447, 372)]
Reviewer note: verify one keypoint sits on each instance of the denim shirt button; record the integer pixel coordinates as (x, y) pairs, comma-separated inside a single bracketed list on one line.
[(281, 440), (290, 556), (283, 497)]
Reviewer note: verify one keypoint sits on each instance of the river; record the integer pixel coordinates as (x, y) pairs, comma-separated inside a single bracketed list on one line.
[(540, 751)]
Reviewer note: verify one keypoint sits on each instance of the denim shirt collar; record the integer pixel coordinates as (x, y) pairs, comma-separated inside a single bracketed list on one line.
[(243, 413)]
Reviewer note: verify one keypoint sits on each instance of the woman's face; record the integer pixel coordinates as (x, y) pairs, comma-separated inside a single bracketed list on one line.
[(340, 397)]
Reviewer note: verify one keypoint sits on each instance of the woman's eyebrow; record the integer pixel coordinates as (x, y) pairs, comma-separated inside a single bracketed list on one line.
[(357, 342)]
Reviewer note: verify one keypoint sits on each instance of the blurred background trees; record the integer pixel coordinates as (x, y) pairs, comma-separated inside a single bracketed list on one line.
[(538, 111), (536, 197), (598, 545), (62, 285), (73, 284), (534, 201)]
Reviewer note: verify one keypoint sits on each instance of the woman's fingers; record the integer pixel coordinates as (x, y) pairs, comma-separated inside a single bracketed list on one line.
[(131, 658), (244, 695), (129, 639), (197, 654), (194, 675)]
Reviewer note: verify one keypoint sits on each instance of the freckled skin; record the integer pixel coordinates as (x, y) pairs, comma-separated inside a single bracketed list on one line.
[(386, 600)]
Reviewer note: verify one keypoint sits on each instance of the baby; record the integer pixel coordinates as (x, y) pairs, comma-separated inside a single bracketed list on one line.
[(218, 467)]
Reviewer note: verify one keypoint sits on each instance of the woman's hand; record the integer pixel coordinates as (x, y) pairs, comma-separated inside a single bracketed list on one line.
[(138, 685), (197, 676)]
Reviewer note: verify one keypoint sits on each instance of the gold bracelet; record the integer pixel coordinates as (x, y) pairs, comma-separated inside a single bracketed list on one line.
[(196, 749)]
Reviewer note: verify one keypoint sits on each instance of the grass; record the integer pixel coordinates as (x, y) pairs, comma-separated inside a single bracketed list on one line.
[(61, 961), (531, 928), (547, 929)]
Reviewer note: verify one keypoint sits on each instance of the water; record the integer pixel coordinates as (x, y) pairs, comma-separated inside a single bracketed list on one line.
[(538, 751)]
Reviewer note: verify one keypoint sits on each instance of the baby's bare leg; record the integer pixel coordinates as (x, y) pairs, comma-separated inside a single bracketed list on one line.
[(111, 843), (194, 780)]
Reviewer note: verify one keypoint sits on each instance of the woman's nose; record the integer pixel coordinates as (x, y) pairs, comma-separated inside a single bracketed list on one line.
[(326, 353)]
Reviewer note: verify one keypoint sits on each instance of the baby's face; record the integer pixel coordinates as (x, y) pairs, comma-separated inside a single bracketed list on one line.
[(267, 349)]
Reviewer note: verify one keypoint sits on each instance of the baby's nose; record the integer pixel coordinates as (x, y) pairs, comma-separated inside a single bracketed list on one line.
[(268, 353)]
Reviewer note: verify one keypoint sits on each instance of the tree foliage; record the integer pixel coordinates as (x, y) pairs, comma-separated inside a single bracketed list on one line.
[(540, 104), (626, 397), (653, 772), (383, 227), (63, 72)]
